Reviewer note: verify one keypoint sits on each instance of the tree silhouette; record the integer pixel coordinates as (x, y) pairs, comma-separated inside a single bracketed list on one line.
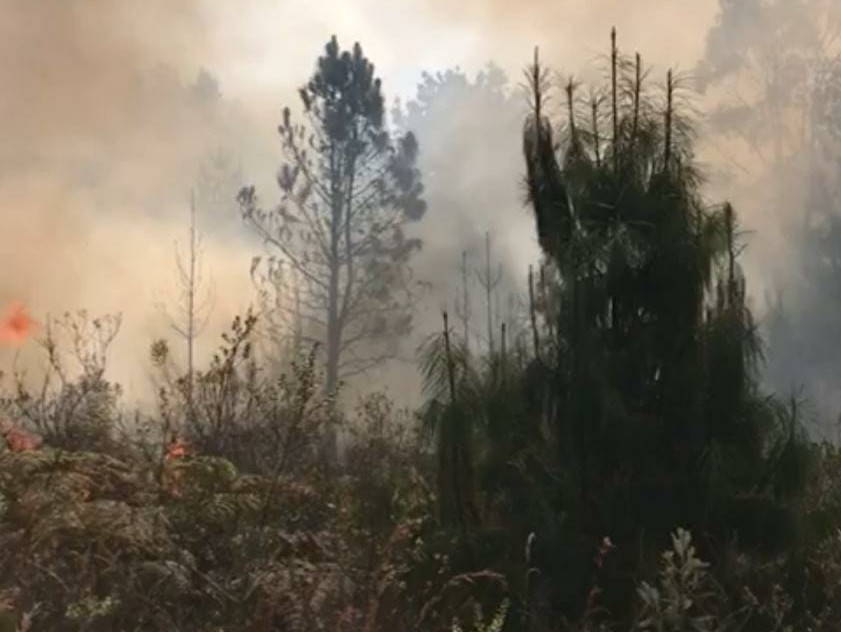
[(639, 408), (194, 303), (348, 190)]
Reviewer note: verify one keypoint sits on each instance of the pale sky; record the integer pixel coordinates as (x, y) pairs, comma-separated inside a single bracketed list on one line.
[(256, 46)]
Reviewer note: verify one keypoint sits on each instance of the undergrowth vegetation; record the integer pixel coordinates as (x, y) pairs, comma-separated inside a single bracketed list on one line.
[(149, 532)]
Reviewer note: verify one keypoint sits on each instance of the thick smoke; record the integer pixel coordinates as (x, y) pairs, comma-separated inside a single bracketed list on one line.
[(103, 131), (573, 32), (772, 77), (108, 120)]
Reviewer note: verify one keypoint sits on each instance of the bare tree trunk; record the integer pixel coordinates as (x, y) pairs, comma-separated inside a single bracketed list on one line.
[(533, 316), (190, 317), (489, 291), (464, 312), (334, 334), (614, 61), (332, 369), (667, 154), (191, 312), (596, 143), (637, 91), (298, 335), (458, 464)]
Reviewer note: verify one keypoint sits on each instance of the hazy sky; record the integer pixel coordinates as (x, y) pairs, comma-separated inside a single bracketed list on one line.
[(256, 46), (100, 141)]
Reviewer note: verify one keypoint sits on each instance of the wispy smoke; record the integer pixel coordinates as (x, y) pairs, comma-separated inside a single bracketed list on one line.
[(104, 130), (103, 133)]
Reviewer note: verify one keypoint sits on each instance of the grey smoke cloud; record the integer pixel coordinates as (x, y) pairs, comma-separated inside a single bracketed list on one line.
[(101, 140), (102, 135)]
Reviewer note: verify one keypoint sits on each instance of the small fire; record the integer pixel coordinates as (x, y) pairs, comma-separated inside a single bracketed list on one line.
[(176, 449), (17, 325), (17, 439)]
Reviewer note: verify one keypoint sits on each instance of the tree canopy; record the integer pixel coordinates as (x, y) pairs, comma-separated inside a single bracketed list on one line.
[(338, 240)]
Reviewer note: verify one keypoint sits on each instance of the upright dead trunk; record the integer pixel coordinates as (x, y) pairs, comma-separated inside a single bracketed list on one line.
[(191, 314), (334, 332)]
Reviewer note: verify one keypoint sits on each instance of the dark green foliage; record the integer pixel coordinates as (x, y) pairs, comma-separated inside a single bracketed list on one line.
[(640, 408), (452, 396), (658, 351)]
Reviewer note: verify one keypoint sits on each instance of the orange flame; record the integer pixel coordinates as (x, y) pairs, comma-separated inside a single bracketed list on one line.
[(21, 441), (16, 327), (17, 439), (176, 449)]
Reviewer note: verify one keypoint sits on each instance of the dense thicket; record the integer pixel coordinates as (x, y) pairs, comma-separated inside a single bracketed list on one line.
[(637, 407)]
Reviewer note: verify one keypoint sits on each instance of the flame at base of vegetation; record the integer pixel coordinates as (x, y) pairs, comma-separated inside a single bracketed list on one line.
[(17, 325)]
